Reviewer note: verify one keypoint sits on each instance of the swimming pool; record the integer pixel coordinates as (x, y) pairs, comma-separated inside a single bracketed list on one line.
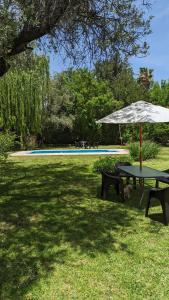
[(71, 152)]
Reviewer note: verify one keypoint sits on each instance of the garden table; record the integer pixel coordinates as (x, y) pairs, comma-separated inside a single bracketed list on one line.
[(144, 172), (83, 143)]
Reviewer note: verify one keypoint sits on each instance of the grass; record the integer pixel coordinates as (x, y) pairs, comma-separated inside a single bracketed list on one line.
[(59, 240)]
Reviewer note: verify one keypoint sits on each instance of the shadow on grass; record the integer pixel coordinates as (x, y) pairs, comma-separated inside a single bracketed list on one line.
[(47, 211), (158, 217)]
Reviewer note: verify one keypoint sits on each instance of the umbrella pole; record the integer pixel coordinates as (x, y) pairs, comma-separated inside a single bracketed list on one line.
[(141, 140)]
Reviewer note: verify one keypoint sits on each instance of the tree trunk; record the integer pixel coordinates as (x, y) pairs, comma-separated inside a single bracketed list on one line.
[(32, 33)]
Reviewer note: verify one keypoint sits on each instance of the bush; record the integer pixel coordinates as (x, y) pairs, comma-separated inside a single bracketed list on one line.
[(6, 144), (107, 163), (30, 142), (149, 150), (17, 146), (159, 133)]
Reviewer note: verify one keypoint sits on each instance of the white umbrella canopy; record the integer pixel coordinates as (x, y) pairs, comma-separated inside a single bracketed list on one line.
[(138, 113)]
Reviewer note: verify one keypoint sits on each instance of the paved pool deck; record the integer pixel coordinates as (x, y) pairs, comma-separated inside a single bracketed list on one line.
[(111, 152)]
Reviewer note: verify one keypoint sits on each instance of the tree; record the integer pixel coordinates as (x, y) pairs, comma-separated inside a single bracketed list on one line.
[(159, 95), (145, 77), (91, 100), (109, 69), (57, 118), (82, 97), (95, 28), (22, 94), (121, 81), (126, 88)]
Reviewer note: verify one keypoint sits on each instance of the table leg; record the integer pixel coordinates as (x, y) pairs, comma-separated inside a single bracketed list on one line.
[(141, 199), (141, 181)]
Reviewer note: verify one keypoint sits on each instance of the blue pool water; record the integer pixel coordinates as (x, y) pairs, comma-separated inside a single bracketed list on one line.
[(72, 152), (78, 151)]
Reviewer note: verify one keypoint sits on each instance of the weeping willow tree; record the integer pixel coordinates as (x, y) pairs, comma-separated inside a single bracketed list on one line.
[(22, 97)]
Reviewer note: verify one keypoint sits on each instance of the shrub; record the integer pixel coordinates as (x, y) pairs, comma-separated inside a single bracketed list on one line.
[(107, 163), (17, 146), (159, 133), (6, 144), (149, 150), (30, 142)]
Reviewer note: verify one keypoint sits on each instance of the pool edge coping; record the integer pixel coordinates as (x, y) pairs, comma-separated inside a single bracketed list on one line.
[(28, 153)]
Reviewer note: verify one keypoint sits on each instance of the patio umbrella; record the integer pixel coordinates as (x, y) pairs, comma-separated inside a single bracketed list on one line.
[(139, 112)]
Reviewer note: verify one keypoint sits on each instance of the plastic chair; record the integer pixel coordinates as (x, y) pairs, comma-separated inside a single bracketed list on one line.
[(163, 196), (123, 174), (162, 179), (109, 179)]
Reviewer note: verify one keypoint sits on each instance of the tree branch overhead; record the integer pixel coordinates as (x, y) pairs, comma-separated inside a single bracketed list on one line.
[(99, 28)]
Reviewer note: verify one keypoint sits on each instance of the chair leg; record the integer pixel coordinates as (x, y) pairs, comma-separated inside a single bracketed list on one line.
[(134, 182), (117, 188), (165, 208), (105, 190), (148, 206), (157, 184), (121, 189), (127, 180), (102, 187)]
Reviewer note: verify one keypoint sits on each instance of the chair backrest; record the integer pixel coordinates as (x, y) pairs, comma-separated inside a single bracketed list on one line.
[(119, 164), (108, 173)]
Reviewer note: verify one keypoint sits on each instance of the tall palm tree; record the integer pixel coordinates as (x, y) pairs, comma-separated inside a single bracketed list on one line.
[(145, 77)]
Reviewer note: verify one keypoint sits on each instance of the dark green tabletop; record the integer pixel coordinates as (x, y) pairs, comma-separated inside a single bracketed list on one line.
[(145, 172)]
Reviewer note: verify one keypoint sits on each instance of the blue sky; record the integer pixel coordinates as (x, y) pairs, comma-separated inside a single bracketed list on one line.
[(158, 58)]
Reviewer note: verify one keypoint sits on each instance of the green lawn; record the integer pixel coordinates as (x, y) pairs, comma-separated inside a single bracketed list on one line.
[(59, 240)]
